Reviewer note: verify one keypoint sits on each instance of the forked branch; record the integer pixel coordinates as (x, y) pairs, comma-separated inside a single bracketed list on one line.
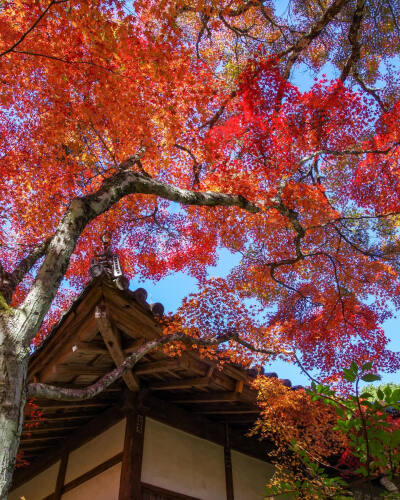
[(10, 280), (81, 212)]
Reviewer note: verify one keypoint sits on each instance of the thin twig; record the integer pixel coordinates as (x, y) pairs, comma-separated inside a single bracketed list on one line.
[(22, 38)]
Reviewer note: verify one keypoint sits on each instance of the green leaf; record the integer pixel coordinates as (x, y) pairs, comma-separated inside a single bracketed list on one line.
[(366, 366), (396, 395), (388, 391), (380, 394), (340, 411), (366, 395), (394, 443), (349, 375), (354, 367), (368, 403), (370, 377)]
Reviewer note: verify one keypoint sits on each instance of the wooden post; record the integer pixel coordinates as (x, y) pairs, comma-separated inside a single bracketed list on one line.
[(228, 465), (61, 477), (131, 471)]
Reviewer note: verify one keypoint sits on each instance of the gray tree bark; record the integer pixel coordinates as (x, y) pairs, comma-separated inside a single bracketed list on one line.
[(14, 359)]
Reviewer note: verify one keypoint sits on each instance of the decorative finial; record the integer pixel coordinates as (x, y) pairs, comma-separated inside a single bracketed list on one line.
[(106, 262)]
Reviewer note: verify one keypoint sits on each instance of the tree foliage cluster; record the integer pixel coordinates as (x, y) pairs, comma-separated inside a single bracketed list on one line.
[(326, 440)]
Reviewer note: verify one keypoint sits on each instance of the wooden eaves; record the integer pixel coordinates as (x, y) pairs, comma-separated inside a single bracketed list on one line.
[(100, 329)]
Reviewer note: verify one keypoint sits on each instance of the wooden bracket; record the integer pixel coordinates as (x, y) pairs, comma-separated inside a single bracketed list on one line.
[(61, 477), (112, 341)]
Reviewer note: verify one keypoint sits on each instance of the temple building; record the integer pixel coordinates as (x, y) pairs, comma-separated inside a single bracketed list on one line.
[(171, 428)]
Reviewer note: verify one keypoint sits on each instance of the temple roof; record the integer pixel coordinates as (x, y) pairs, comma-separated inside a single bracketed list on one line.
[(103, 326)]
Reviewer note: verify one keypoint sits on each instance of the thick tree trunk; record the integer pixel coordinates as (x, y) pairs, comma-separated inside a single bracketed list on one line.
[(13, 372)]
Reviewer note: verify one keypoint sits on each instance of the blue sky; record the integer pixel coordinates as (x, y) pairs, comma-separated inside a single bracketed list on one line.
[(171, 290)]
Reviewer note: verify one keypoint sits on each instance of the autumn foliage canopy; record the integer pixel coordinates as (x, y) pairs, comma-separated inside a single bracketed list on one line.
[(177, 126), (86, 86)]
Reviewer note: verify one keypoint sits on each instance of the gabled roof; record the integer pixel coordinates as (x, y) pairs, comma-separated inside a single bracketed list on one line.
[(99, 330)]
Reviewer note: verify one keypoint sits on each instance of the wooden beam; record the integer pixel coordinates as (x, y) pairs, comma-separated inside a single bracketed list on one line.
[(95, 403), (201, 426), (238, 419), (162, 366), (39, 447), (208, 397), (89, 348), (151, 491), (61, 477), (82, 328), (227, 411), (134, 321), (116, 459), (112, 340), (133, 346), (41, 437), (239, 386), (131, 471), (181, 384), (82, 416), (197, 365), (126, 301), (228, 465), (236, 373), (77, 369), (52, 428)]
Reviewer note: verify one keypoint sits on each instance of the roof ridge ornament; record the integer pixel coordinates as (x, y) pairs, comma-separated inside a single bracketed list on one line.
[(106, 262)]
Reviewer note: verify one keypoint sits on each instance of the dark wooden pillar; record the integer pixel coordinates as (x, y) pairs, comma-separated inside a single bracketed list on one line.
[(228, 465), (131, 471)]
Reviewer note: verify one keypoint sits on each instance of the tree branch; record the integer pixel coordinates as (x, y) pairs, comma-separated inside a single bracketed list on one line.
[(196, 164), (369, 90), (344, 152), (239, 31), (10, 280), (353, 39), (66, 61), (241, 9), (22, 38), (304, 41), (212, 121), (39, 390), (204, 21), (28, 262), (80, 212)]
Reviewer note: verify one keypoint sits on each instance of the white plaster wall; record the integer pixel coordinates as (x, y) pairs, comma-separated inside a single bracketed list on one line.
[(39, 487), (183, 463), (96, 451), (105, 486), (249, 476)]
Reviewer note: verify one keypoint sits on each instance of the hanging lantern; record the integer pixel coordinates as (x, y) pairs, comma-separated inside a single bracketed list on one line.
[(108, 263)]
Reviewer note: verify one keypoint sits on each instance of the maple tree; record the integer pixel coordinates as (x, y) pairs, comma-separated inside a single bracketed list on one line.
[(323, 439), (110, 117)]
